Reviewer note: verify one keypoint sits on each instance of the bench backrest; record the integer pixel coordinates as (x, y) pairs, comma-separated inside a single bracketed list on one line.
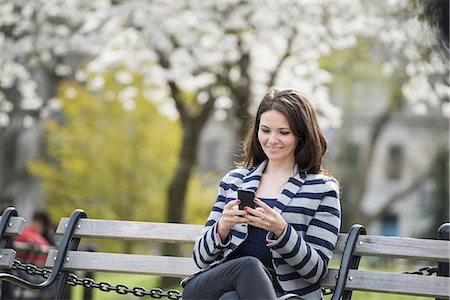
[(366, 245), (14, 227)]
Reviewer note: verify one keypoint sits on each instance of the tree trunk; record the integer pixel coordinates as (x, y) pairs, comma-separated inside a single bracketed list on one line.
[(10, 175), (192, 129), (380, 124), (178, 186), (241, 96), (242, 114)]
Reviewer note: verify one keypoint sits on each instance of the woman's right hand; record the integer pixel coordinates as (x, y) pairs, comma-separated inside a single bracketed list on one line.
[(231, 215)]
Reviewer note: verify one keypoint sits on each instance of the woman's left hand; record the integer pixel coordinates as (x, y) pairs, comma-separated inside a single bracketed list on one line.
[(265, 217)]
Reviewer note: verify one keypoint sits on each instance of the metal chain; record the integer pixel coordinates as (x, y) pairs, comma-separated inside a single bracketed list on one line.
[(428, 269), (31, 269), (74, 280), (89, 283), (122, 289)]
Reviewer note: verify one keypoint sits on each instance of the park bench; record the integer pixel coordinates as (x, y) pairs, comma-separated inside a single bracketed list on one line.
[(10, 225), (351, 247)]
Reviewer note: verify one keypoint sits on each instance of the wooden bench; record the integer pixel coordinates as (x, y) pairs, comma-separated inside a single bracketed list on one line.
[(10, 225), (344, 280), (351, 246)]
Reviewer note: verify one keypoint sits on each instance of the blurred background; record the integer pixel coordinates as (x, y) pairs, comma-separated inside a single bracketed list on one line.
[(135, 110)]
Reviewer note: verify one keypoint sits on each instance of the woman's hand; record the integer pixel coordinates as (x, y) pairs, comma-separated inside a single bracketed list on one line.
[(231, 215), (266, 218)]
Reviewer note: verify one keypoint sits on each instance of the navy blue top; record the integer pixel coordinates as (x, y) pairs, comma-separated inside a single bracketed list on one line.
[(255, 244)]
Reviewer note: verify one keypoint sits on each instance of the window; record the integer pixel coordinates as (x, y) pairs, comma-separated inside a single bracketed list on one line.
[(389, 225), (213, 155), (394, 162)]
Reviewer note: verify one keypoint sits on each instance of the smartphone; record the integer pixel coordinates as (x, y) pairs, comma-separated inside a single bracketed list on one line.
[(246, 197)]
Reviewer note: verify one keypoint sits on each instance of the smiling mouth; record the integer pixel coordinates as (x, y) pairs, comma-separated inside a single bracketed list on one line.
[(272, 149)]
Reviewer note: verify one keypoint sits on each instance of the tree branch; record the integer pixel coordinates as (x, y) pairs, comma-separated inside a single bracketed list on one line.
[(206, 109), (403, 193), (286, 54), (396, 198), (174, 90), (380, 124)]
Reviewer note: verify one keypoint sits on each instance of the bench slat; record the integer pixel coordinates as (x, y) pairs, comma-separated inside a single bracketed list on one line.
[(126, 263), (431, 286), (15, 226), (418, 285), (398, 247), (7, 257), (132, 230)]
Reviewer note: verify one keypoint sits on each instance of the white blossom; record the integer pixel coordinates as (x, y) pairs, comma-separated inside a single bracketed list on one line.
[(70, 93), (204, 41), (28, 121)]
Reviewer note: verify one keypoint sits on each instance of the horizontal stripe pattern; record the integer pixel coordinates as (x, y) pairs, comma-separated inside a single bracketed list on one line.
[(310, 205)]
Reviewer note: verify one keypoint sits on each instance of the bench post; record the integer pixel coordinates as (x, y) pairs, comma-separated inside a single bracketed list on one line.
[(348, 261), (71, 243), (6, 242), (4, 223), (66, 243), (443, 234)]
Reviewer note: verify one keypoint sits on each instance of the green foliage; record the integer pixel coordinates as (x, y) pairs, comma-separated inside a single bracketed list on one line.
[(437, 207), (111, 155), (347, 174), (201, 197)]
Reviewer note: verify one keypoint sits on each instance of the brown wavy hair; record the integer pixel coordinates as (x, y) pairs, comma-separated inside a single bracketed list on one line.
[(302, 118)]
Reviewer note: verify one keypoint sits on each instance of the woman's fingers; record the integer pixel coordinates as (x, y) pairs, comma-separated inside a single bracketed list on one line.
[(262, 205), (231, 204), (261, 210), (231, 214)]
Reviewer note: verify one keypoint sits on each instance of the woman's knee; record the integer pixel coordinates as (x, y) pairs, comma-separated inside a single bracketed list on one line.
[(251, 262)]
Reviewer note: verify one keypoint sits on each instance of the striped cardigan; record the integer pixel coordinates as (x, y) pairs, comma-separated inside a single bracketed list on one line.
[(310, 205)]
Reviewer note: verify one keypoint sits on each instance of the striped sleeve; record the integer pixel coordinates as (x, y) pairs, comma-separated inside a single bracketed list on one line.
[(310, 252), (208, 247)]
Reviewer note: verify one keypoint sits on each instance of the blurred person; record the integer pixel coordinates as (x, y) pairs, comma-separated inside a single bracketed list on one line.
[(44, 224), (32, 245), (282, 247)]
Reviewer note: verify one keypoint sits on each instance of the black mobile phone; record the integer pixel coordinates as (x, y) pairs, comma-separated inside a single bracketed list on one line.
[(246, 197)]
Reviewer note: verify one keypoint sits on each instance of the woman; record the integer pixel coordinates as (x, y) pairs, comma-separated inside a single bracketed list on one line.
[(283, 246)]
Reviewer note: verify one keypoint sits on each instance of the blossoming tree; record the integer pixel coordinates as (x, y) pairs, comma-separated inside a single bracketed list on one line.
[(204, 58)]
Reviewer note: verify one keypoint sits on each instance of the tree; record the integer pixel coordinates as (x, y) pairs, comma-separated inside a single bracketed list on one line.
[(201, 57), (42, 43), (353, 164), (111, 153), (438, 207), (220, 55), (436, 13)]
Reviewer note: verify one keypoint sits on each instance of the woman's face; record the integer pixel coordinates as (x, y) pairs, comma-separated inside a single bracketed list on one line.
[(276, 137)]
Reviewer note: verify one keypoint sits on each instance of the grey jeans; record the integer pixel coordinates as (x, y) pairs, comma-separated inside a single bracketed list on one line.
[(240, 278)]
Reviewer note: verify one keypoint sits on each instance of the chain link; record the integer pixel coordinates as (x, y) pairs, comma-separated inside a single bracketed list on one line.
[(31, 269), (428, 269), (89, 283)]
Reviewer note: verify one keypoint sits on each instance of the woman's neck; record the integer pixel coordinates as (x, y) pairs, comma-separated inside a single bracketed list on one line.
[(280, 168), (274, 178)]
